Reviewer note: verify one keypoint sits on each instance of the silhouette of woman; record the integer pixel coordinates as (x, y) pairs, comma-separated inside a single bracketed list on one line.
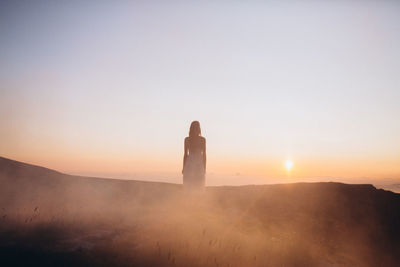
[(194, 159)]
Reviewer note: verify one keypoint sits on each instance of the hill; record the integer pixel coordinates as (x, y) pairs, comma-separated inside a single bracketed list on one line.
[(392, 187), (53, 219)]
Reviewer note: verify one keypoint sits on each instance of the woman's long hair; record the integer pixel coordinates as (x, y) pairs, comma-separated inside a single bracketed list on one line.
[(195, 129)]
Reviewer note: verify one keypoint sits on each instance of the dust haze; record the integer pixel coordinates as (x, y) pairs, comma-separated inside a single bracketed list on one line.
[(58, 219)]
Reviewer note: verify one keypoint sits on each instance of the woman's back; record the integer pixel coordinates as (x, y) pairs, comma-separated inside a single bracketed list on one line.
[(195, 144), (194, 159)]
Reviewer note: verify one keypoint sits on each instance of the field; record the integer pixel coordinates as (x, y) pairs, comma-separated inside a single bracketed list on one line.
[(52, 219)]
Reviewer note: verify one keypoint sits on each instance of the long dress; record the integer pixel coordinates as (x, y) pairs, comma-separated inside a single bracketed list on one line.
[(193, 171)]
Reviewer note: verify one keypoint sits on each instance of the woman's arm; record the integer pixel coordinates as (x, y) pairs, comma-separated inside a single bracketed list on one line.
[(204, 154), (185, 152)]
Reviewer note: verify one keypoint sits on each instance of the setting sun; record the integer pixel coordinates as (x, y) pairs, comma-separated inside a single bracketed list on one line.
[(288, 165)]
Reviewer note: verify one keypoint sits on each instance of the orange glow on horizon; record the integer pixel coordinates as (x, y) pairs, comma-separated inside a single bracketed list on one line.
[(268, 168)]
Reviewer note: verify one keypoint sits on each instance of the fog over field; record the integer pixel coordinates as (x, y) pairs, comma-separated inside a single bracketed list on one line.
[(55, 219)]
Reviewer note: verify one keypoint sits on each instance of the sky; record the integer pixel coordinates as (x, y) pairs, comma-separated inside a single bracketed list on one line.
[(110, 88)]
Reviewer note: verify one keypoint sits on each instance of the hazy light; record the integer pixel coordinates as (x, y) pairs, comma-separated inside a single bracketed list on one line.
[(288, 164), (112, 88)]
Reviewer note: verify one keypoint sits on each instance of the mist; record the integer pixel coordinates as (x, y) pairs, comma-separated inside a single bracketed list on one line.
[(81, 220)]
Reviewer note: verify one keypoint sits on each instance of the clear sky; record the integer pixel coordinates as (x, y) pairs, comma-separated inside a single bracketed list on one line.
[(111, 86)]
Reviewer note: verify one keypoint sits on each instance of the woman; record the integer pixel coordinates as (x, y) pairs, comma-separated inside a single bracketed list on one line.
[(194, 159)]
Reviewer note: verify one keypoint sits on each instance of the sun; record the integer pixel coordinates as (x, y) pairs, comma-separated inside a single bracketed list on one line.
[(289, 164)]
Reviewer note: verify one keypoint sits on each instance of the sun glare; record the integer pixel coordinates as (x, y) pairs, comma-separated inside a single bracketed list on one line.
[(288, 164)]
